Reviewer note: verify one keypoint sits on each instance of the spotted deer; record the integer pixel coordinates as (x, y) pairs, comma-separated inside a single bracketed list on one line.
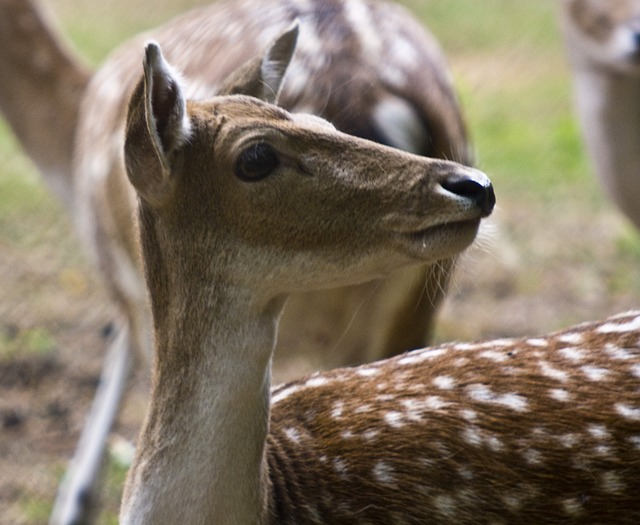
[(366, 66), (534, 430), (603, 42)]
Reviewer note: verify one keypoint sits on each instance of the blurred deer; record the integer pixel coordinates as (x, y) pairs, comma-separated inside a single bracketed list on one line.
[(603, 42)]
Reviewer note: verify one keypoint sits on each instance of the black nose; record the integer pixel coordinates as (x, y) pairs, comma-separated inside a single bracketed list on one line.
[(474, 186)]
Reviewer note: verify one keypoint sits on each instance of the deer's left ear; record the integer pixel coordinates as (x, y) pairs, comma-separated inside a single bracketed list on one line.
[(157, 126), (262, 77)]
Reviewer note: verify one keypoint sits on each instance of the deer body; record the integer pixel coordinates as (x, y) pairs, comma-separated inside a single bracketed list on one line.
[(538, 430), (282, 202), (366, 66), (603, 41)]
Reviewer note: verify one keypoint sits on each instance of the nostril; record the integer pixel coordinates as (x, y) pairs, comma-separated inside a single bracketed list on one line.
[(479, 191)]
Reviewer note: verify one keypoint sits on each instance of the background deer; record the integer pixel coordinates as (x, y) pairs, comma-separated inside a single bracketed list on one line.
[(367, 67), (538, 430), (603, 42)]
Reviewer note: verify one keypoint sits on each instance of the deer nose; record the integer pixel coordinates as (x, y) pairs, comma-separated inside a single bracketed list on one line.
[(473, 185)]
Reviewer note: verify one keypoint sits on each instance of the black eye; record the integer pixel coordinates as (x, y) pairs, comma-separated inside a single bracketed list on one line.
[(256, 162)]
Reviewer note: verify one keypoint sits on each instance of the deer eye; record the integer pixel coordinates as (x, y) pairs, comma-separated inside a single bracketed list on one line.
[(256, 162)]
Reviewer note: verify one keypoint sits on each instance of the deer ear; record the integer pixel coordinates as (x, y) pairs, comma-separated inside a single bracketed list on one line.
[(262, 77), (157, 126)]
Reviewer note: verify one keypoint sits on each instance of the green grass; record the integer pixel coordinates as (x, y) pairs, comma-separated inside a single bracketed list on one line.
[(35, 341), (489, 25)]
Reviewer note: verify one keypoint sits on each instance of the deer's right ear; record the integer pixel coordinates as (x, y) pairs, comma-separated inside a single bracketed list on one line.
[(263, 77), (157, 126)]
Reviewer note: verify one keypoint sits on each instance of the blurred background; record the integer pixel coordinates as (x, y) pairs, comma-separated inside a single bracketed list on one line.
[(555, 253)]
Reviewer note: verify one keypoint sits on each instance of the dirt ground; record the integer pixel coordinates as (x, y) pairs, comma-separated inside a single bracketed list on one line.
[(539, 266)]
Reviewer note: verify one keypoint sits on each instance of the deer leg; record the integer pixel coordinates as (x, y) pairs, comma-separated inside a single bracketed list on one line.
[(75, 500)]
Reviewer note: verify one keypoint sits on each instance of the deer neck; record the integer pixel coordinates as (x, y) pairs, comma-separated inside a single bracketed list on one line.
[(609, 108), (202, 451)]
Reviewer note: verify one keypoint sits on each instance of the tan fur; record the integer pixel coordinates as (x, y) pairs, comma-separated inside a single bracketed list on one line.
[(222, 252)]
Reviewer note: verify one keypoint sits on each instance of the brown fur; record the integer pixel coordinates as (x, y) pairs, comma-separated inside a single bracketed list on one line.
[(222, 252), (525, 431)]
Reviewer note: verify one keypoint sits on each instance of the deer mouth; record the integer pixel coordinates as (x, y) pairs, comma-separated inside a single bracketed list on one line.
[(441, 240)]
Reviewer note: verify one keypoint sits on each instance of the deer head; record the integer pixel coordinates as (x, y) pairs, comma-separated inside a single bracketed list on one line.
[(286, 201)]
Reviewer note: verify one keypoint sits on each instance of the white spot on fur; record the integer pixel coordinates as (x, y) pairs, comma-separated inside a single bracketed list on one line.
[(338, 408), (635, 370), (602, 450), (628, 412), (313, 382), (495, 343), (465, 347), (568, 440), (421, 355), (616, 352), (598, 431), (512, 501), (540, 343), (465, 473), (468, 414), (572, 507), (532, 456), (383, 473), (572, 338), (435, 403), (401, 125), (611, 328), (494, 443), (340, 467), (572, 353), (370, 435), (493, 355), (444, 382), (394, 419), (460, 362), (594, 373), (361, 21), (403, 51), (635, 441), (472, 436), (553, 373), (445, 504), (292, 434), (559, 394), (367, 371), (611, 483), (285, 393), (483, 394)]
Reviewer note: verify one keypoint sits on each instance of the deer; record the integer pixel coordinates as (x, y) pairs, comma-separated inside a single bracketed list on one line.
[(531, 430), (603, 43), (368, 67)]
